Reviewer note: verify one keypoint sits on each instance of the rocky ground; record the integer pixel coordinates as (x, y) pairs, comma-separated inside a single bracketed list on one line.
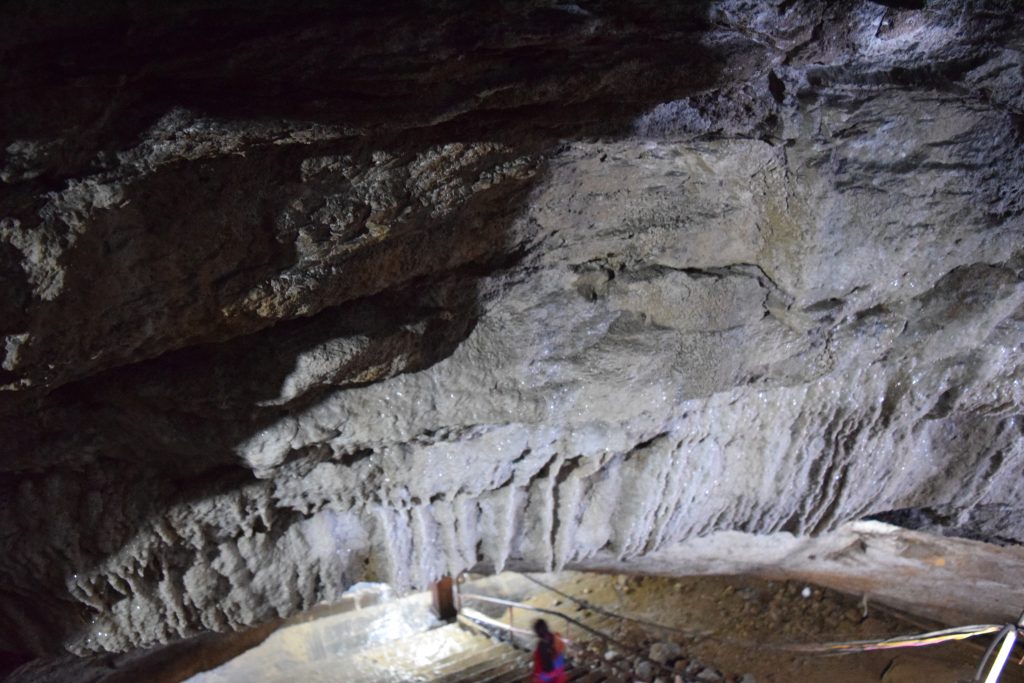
[(299, 295), (737, 630), (711, 629)]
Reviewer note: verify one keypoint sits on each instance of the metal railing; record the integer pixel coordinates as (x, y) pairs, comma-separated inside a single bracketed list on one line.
[(994, 660), (512, 605)]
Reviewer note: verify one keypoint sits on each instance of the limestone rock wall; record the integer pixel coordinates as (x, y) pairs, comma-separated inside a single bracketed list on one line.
[(300, 297)]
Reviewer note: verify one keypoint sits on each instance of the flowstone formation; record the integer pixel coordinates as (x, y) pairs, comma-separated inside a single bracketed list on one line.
[(300, 297)]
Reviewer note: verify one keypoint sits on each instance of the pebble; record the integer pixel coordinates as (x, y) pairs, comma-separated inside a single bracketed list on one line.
[(709, 675), (611, 655), (748, 678), (806, 592), (665, 652), (644, 670)]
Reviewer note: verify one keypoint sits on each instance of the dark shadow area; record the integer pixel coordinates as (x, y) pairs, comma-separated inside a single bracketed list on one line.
[(392, 66), (403, 77), (901, 4), (9, 661), (162, 664), (988, 523), (90, 461)]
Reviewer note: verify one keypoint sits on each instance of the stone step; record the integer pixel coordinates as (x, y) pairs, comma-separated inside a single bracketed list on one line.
[(510, 665), (512, 672), (453, 666), (488, 661), (583, 675), (424, 657), (500, 664)]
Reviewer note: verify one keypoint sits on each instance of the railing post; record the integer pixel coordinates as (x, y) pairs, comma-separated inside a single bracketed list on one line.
[(443, 598)]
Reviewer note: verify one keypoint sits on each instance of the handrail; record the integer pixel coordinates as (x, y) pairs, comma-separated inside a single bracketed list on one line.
[(511, 604), (480, 621), (586, 604), (473, 615), (1005, 639)]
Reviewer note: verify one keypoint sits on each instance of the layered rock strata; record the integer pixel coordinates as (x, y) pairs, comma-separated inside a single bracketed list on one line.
[(306, 297)]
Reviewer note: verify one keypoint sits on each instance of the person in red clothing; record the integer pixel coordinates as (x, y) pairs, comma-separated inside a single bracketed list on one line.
[(549, 657)]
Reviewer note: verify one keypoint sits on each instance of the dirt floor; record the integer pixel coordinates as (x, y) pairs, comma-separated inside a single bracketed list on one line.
[(741, 625), (718, 630)]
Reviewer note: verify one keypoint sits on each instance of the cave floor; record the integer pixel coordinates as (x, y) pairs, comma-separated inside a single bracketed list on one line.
[(733, 626), (739, 625)]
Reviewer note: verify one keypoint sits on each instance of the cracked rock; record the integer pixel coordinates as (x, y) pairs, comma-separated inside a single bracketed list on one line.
[(299, 298)]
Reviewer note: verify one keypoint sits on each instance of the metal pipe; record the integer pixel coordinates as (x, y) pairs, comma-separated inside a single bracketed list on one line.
[(1004, 653), (1000, 637), (543, 610)]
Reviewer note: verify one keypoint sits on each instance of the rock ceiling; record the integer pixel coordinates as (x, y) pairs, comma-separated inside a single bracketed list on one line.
[(295, 297)]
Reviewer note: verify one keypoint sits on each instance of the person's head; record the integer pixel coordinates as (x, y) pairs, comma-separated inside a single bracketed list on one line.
[(546, 644), (540, 627)]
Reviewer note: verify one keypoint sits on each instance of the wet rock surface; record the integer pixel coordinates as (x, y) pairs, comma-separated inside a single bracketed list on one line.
[(298, 297)]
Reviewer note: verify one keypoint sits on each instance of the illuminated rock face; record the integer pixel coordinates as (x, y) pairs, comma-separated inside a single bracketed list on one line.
[(298, 300)]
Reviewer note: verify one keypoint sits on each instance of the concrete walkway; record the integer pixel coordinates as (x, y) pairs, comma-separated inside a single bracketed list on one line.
[(397, 640)]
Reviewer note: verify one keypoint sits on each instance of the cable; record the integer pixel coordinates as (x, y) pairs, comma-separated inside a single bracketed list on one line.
[(918, 640), (849, 647), (1007, 636)]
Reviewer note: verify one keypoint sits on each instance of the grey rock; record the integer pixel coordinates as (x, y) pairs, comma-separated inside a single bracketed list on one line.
[(644, 670), (665, 652), (723, 293), (709, 675)]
